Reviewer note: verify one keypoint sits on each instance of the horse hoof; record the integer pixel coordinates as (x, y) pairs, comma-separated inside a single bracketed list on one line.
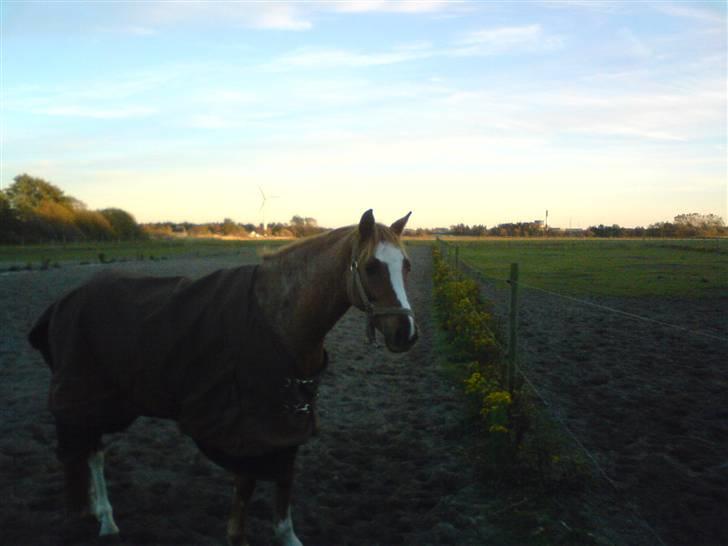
[(78, 529), (109, 540)]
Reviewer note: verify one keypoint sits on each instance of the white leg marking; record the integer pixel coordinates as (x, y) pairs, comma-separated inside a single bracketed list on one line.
[(100, 505), (392, 256), (284, 532)]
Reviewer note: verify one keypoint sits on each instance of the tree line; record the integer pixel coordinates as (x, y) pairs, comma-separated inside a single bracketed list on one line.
[(298, 227), (33, 210), (683, 226)]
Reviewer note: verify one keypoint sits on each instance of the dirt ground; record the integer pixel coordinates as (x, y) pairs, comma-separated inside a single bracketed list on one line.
[(382, 471), (389, 465), (648, 401)]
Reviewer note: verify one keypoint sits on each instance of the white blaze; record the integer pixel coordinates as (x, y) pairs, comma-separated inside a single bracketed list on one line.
[(284, 532), (393, 256), (100, 505)]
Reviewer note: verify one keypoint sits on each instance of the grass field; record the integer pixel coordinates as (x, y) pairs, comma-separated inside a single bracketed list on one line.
[(33, 256), (612, 267)]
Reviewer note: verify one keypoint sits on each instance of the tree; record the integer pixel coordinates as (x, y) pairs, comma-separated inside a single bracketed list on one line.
[(230, 228), (695, 224), (123, 224), (94, 225), (303, 227), (9, 223), (27, 193), (52, 220)]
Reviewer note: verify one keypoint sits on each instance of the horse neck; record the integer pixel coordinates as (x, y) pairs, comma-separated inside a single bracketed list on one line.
[(303, 294)]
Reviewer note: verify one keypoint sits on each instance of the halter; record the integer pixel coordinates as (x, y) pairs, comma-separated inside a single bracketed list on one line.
[(356, 286)]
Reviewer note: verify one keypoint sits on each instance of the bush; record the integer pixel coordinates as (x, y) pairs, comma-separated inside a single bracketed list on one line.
[(470, 330), (515, 441)]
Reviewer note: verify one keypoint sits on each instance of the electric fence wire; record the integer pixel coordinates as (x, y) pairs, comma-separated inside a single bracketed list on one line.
[(474, 272), (589, 454)]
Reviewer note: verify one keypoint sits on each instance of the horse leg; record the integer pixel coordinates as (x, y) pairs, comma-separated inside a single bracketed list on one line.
[(283, 529), (242, 492), (79, 449), (101, 507), (75, 444)]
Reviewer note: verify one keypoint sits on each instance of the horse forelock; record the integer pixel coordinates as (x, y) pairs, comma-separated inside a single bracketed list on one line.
[(382, 234)]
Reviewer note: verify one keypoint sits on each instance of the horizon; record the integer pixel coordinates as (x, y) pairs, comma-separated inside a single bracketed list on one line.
[(463, 112)]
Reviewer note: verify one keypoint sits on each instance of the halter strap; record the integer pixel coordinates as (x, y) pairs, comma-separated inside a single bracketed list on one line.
[(356, 287)]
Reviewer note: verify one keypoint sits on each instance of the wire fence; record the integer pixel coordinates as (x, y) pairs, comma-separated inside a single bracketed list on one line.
[(627, 388)]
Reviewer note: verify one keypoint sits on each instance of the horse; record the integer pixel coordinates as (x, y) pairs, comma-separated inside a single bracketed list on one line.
[(234, 357)]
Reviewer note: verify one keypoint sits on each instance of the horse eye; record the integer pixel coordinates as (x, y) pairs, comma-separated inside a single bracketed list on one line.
[(372, 267)]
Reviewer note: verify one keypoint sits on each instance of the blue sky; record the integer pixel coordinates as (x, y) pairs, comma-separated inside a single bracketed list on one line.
[(473, 112)]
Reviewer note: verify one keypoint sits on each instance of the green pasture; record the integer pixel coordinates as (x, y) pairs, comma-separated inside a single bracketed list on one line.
[(33, 256), (606, 267)]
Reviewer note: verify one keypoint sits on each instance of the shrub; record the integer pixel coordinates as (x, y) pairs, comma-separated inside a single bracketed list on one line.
[(503, 447), (470, 330)]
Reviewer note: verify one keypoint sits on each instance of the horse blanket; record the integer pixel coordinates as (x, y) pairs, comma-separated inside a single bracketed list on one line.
[(196, 351)]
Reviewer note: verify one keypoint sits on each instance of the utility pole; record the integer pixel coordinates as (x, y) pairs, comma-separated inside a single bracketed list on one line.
[(546, 225)]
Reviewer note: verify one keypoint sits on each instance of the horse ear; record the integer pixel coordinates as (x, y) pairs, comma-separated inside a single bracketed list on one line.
[(366, 225), (398, 226)]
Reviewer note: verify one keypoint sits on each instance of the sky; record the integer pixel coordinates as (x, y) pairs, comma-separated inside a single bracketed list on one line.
[(462, 112)]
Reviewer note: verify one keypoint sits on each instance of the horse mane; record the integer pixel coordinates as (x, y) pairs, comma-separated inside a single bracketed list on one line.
[(327, 238)]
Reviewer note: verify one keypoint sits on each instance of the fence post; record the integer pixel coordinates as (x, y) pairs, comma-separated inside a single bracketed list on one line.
[(513, 329), (457, 258)]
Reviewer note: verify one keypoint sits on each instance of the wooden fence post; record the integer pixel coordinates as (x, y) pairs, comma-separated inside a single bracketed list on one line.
[(513, 330), (457, 258)]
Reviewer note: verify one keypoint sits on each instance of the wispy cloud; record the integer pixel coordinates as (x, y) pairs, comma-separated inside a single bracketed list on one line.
[(691, 12), (280, 17), (85, 112), (131, 30), (394, 6), (207, 121), (317, 58), (598, 5), (630, 44), (493, 41), (262, 15)]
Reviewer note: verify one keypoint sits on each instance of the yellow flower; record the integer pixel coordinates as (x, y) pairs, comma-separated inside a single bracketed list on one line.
[(497, 428), (497, 398)]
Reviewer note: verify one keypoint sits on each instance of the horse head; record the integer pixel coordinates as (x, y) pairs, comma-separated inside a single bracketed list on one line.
[(378, 281)]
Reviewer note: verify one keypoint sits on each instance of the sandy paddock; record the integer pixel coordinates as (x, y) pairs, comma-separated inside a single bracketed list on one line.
[(388, 467)]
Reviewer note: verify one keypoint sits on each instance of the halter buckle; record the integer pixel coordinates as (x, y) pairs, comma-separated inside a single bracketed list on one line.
[(298, 409)]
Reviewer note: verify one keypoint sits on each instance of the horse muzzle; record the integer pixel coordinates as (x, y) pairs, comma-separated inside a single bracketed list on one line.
[(400, 333)]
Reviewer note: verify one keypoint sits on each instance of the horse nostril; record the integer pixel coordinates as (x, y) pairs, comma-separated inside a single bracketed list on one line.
[(405, 335)]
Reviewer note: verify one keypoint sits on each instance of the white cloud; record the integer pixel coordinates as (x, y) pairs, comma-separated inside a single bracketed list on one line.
[(334, 58), (85, 112), (280, 17), (393, 6), (262, 15), (691, 12), (598, 5), (493, 41)]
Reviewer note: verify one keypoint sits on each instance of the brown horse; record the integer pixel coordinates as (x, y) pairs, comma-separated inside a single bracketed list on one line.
[(234, 357)]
